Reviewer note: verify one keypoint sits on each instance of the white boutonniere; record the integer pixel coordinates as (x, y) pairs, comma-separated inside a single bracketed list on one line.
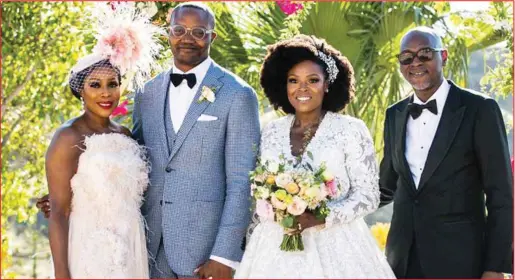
[(207, 94)]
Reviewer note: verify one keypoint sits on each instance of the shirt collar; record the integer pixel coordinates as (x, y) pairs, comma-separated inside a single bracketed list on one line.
[(200, 70), (440, 96)]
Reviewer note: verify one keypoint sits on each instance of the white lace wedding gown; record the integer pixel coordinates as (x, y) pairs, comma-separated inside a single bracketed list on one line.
[(345, 248), (106, 234)]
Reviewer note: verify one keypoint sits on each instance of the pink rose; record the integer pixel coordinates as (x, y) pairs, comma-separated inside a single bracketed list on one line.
[(288, 7), (121, 110), (297, 207), (332, 188), (264, 210)]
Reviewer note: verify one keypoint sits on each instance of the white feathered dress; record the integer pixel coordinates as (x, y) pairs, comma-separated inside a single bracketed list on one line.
[(106, 231)]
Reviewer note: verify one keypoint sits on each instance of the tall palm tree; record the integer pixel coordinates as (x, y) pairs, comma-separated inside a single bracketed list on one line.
[(368, 33)]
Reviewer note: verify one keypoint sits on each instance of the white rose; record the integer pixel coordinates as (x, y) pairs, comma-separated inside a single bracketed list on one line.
[(304, 185), (253, 188), (312, 192), (263, 193), (283, 179), (323, 192), (273, 166)]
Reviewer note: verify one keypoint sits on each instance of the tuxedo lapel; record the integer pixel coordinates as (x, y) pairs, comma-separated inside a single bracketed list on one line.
[(450, 121), (212, 81), (170, 131), (162, 101), (401, 118)]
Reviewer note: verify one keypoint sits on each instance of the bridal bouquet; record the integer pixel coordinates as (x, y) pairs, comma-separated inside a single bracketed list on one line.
[(282, 194)]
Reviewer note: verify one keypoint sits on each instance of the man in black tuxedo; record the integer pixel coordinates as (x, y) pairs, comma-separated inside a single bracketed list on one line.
[(445, 149)]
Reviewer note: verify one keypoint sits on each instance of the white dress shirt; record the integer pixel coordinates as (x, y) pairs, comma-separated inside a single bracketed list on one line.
[(179, 100), (181, 97), (420, 132)]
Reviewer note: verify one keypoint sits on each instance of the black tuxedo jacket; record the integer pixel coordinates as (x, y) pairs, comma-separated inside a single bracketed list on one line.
[(469, 159)]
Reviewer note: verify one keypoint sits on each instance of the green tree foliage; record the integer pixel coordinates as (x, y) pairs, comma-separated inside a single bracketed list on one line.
[(40, 43), (499, 80), (369, 34)]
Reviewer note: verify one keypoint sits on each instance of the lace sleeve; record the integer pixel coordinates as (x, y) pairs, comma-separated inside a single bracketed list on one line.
[(360, 161)]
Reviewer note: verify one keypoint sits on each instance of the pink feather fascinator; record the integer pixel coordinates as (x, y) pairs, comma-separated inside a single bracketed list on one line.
[(126, 38)]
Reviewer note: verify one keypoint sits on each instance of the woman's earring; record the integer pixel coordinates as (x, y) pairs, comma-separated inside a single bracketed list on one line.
[(326, 90)]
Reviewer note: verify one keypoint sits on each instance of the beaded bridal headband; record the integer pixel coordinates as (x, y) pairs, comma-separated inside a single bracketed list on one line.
[(332, 70)]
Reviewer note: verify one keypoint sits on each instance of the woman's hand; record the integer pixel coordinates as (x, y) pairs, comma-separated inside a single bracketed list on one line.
[(307, 220)]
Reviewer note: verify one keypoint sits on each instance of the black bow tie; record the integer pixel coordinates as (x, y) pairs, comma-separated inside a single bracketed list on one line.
[(415, 110), (190, 78)]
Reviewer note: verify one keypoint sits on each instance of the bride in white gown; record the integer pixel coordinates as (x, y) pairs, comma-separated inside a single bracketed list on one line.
[(96, 172), (311, 81)]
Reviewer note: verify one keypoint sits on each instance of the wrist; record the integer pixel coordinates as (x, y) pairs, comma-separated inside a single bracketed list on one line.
[(65, 274), (492, 275)]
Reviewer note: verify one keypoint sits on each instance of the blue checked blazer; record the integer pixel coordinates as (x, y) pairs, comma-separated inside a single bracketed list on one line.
[(199, 194)]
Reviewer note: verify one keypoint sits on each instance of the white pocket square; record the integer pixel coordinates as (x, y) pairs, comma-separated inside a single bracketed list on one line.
[(206, 118)]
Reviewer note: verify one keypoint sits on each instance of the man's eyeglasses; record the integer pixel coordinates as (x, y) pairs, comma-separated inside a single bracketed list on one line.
[(197, 33), (424, 55)]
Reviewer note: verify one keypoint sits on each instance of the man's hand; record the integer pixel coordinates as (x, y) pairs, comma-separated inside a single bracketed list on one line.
[(43, 204), (213, 269), (492, 275)]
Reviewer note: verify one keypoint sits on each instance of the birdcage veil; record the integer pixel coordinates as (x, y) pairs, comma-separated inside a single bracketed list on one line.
[(127, 42)]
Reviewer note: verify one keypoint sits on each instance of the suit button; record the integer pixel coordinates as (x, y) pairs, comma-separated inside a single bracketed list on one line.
[(416, 201), (168, 169)]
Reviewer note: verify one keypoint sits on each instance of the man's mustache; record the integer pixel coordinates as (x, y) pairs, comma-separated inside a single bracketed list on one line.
[(186, 46)]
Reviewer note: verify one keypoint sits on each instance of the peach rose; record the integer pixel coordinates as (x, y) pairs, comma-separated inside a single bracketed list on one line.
[(297, 207), (277, 203)]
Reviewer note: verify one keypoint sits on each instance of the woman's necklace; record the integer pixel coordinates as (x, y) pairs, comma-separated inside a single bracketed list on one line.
[(308, 133)]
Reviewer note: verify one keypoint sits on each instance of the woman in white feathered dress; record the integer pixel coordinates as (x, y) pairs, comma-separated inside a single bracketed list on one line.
[(96, 172), (311, 82)]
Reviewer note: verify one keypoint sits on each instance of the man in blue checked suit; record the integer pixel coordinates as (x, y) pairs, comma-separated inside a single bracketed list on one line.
[(200, 124)]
